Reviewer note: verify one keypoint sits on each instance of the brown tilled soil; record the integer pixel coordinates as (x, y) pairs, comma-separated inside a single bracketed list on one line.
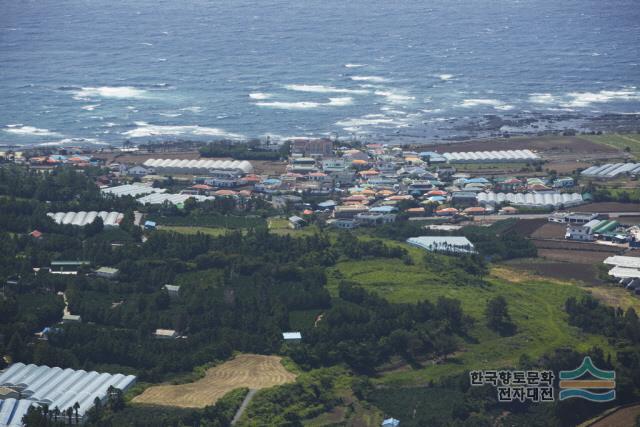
[(245, 370), (550, 230), (579, 257), (604, 207), (550, 144)]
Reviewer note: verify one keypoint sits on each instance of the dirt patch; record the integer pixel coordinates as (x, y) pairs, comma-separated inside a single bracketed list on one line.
[(569, 245), (579, 257), (550, 230), (560, 270), (527, 227), (246, 370)]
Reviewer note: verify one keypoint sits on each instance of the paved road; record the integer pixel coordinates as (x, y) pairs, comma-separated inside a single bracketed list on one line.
[(243, 406)]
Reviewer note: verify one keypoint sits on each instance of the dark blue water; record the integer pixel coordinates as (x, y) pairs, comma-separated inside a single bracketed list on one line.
[(106, 71)]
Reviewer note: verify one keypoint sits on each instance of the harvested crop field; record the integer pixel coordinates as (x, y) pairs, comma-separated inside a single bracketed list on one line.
[(560, 270), (569, 245), (245, 370), (527, 227)]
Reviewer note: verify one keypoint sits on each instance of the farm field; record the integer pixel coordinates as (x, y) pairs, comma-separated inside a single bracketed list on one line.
[(536, 305), (245, 370), (565, 271), (621, 142), (194, 230), (552, 143)]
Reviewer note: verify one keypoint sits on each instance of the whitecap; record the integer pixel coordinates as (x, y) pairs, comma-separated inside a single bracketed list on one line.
[(260, 95), (145, 129), (394, 96), (585, 99), (170, 114), (324, 89), (116, 92), (194, 109), (498, 105), (306, 105), (542, 98), (90, 107), (445, 77), (23, 130), (354, 65), (146, 44), (374, 79)]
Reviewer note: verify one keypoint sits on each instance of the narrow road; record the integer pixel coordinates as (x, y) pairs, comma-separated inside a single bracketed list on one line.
[(243, 406)]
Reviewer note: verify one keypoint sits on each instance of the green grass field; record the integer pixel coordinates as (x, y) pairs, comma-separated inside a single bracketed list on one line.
[(194, 230), (616, 140), (536, 306)]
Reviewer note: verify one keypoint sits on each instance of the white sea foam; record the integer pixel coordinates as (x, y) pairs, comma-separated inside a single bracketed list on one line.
[(445, 77), (356, 125), (73, 141), (543, 98), (395, 97), (145, 129), (146, 44), (117, 92), (354, 65), (585, 99), (20, 129), (90, 107), (260, 95), (193, 109), (498, 105), (373, 79), (306, 105), (324, 89), (170, 114)]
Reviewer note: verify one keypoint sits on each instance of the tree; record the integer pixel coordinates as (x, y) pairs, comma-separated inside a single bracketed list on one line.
[(498, 317), (76, 406)]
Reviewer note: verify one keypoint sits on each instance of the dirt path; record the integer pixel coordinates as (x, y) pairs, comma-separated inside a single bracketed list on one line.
[(243, 406)]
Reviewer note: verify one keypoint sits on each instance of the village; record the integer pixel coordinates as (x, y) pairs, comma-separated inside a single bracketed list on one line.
[(325, 183)]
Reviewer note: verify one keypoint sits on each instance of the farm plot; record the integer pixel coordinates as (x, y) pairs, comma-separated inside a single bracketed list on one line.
[(246, 370)]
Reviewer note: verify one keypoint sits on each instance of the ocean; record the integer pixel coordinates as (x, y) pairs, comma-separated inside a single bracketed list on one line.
[(103, 72)]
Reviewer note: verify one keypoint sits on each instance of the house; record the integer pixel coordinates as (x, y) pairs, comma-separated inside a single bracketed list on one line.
[(348, 211), (312, 147), (464, 198), (292, 337), (344, 224), (70, 318), (107, 272), (390, 422), (165, 333), (149, 225), (565, 182), (303, 165), (374, 218), (172, 290), (508, 210), (329, 204), (296, 222), (36, 234), (584, 232), (139, 171)]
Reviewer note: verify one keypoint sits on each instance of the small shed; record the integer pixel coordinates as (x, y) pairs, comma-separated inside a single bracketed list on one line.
[(172, 290), (68, 318), (165, 333), (292, 337), (150, 225), (390, 422), (107, 272), (296, 222)]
